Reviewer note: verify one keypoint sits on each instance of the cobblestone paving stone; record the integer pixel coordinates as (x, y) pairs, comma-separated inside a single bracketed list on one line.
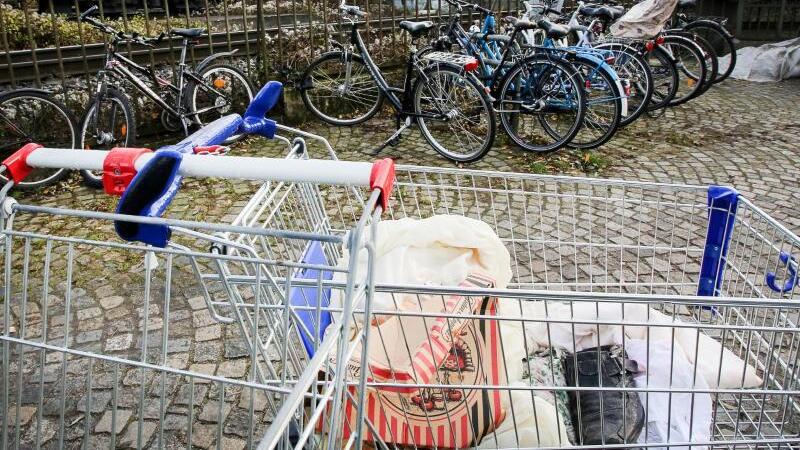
[(740, 134)]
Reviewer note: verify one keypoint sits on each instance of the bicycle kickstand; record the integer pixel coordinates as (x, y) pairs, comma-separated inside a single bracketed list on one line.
[(394, 139)]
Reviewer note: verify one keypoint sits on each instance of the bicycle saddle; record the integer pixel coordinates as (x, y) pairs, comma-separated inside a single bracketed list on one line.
[(502, 38), (687, 3), (416, 28), (187, 32), (520, 24), (604, 12), (553, 30)]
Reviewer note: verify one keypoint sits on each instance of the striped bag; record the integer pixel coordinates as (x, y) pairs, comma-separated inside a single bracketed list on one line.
[(453, 350)]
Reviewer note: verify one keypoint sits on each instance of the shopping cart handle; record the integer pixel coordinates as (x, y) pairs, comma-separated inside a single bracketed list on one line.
[(254, 121), (791, 270)]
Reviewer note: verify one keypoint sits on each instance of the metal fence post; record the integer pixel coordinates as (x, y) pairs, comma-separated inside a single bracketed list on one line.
[(7, 49), (261, 59)]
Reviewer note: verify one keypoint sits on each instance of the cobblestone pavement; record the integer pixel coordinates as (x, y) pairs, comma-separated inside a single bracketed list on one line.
[(740, 134)]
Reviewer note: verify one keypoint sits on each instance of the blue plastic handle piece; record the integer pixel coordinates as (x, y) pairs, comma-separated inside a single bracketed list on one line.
[(148, 195), (791, 282), (215, 133), (265, 100), (722, 205), (254, 121), (155, 185), (309, 296)]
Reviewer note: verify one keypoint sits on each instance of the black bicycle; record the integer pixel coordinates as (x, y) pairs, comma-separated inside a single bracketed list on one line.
[(714, 34), (34, 116), (440, 93), (199, 95)]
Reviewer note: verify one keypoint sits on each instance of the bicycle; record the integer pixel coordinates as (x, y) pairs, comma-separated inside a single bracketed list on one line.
[(33, 115), (627, 61), (605, 91), (346, 87), (202, 94), (713, 31), (663, 65), (543, 87)]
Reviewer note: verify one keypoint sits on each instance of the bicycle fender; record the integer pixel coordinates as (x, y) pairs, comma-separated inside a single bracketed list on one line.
[(605, 67), (708, 23), (209, 59)]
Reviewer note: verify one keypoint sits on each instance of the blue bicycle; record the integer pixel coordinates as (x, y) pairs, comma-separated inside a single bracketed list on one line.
[(539, 97)]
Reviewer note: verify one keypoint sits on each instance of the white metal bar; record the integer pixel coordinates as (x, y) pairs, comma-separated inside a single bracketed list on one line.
[(230, 167)]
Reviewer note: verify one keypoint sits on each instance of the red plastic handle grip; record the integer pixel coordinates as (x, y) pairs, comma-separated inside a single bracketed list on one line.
[(17, 163), (382, 177)]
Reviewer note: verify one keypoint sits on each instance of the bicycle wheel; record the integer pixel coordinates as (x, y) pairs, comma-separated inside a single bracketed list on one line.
[(110, 125), (711, 61), (603, 106), (692, 69), (340, 92), (542, 103), (665, 78), (708, 55), (631, 66), (454, 113), (722, 43), (29, 115), (225, 90)]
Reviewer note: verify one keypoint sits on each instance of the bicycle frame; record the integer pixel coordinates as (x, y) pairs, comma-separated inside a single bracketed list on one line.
[(123, 67), (490, 76), (403, 105)]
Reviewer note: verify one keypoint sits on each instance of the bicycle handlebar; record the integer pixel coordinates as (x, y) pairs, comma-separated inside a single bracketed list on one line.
[(134, 37), (474, 6), (546, 9), (352, 10), (88, 13)]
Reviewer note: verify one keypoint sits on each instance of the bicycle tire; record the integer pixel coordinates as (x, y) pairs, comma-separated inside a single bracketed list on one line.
[(630, 64), (239, 104), (685, 51), (307, 85), (725, 48), (465, 82), (605, 122), (711, 60), (709, 56), (665, 78), (8, 147), (128, 134), (551, 67)]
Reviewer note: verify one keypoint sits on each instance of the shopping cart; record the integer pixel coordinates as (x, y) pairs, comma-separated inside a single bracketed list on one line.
[(248, 334)]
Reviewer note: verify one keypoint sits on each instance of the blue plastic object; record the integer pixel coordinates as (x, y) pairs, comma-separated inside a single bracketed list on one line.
[(155, 185), (215, 133), (148, 195), (308, 296), (254, 121), (722, 204), (791, 270)]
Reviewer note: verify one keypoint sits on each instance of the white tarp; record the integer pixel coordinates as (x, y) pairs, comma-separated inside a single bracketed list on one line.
[(644, 20), (769, 62)]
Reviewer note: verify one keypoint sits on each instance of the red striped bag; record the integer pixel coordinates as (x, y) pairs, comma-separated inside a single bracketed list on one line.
[(453, 350)]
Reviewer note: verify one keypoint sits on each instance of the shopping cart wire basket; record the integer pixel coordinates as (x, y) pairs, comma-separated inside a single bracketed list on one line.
[(253, 333)]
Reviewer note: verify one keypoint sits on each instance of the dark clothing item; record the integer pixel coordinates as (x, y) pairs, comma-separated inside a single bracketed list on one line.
[(603, 417)]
